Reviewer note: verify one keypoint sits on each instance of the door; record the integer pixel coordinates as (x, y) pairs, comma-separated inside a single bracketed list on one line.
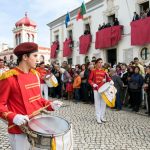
[(112, 56)]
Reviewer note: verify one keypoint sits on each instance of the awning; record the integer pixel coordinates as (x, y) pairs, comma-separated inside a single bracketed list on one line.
[(85, 41), (67, 50), (140, 31), (108, 37)]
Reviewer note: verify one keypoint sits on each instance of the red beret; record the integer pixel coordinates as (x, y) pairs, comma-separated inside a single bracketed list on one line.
[(24, 48)]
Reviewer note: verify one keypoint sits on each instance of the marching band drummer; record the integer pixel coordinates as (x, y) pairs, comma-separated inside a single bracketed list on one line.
[(96, 79), (43, 72), (20, 97)]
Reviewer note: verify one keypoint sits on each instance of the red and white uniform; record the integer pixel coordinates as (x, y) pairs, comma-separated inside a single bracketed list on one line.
[(44, 88), (20, 95), (99, 77)]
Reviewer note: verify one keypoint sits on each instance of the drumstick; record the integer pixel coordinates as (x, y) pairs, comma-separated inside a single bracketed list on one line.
[(33, 114)]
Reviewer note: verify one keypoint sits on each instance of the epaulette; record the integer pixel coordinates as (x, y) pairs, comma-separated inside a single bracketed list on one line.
[(35, 72), (8, 74)]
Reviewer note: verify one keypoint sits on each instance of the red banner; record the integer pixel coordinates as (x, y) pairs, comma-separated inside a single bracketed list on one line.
[(108, 37), (85, 41), (140, 31), (67, 50), (54, 47)]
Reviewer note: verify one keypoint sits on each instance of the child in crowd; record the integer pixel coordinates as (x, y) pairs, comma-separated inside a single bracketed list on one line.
[(76, 86)]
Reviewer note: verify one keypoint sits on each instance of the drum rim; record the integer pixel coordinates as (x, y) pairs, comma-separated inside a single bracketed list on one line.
[(104, 85), (49, 135)]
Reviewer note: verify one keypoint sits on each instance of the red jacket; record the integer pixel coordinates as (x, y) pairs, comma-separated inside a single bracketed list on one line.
[(20, 94), (97, 76)]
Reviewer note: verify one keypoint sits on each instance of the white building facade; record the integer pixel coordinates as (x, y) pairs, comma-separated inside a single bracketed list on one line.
[(99, 11)]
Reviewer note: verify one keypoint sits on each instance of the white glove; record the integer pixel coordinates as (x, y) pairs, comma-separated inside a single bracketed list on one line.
[(104, 80), (111, 82), (20, 119), (56, 104), (95, 85)]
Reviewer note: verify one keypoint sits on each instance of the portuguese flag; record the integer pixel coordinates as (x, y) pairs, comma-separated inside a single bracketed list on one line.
[(81, 12)]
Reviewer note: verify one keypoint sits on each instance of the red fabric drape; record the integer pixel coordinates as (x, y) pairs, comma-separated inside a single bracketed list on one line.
[(67, 50), (140, 31), (108, 37), (85, 41), (54, 47)]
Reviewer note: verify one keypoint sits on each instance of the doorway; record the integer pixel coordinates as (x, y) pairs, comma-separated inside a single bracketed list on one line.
[(112, 56)]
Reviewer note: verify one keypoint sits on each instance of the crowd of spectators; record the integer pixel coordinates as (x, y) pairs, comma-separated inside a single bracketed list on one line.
[(106, 25), (132, 82)]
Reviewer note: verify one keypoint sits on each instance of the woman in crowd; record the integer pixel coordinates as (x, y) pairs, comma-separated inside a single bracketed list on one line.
[(135, 85)]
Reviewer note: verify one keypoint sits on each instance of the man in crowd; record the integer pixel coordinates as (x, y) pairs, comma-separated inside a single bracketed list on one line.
[(20, 97)]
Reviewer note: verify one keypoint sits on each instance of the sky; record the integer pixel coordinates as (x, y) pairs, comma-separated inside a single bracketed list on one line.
[(40, 11)]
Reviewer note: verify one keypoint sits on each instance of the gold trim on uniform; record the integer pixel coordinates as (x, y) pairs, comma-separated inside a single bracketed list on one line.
[(29, 86), (34, 98)]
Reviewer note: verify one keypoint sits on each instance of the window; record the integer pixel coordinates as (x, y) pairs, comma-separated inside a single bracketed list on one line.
[(86, 59), (19, 37), (70, 34), (28, 37), (70, 61), (32, 38), (87, 29), (144, 6), (111, 19), (145, 53), (56, 37), (16, 37)]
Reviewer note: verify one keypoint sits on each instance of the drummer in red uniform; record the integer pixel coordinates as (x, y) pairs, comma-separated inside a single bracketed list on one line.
[(20, 97), (43, 72), (96, 79)]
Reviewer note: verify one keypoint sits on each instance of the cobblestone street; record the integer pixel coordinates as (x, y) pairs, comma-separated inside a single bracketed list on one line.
[(124, 130)]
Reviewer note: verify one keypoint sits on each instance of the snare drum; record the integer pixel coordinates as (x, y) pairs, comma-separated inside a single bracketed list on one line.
[(108, 94), (51, 81), (52, 133)]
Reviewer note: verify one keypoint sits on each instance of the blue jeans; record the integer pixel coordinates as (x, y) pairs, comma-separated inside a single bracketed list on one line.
[(77, 94), (118, 101)]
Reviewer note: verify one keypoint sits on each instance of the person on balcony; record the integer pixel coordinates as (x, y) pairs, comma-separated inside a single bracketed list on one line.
[(135, 17), (116, 22)]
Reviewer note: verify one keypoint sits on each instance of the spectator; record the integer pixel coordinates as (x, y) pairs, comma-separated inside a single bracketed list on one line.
[(135, 85), (118, 85), (103, 26), (143, 15), (147, 88), (108, 25), (116, 22), (148, 12), (76, 86), (100, 27), (135, 17), (84, 85)]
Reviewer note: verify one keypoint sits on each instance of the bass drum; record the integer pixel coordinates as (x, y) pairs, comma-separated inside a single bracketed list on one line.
[(52, 133)]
